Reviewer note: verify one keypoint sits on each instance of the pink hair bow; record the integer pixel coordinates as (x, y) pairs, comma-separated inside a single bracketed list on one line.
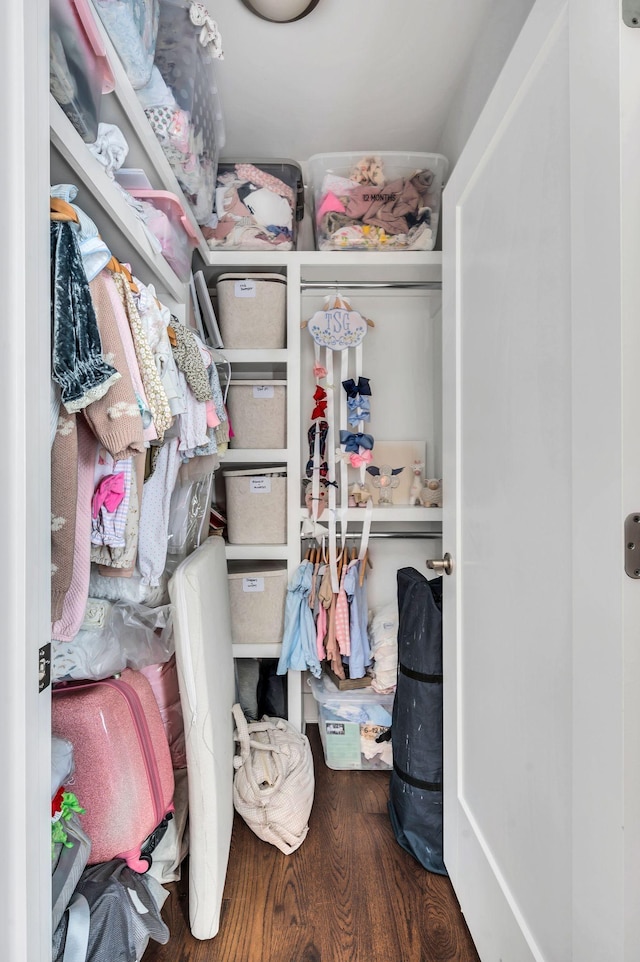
[(360, 459), (319, 371)]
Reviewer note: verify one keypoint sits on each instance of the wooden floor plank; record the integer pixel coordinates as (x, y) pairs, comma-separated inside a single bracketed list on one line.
[(349, 894)]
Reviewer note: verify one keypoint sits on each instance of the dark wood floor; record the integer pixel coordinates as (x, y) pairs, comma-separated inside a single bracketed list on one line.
[(349, 894)]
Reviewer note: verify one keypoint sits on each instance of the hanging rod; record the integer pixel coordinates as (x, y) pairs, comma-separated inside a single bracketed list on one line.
[(425, 535), (371, 285)]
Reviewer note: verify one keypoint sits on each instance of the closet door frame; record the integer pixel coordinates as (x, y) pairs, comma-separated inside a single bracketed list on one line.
[(25, 885)]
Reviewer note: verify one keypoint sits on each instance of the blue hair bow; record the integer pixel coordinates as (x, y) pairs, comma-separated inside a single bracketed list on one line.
[(354, 441)]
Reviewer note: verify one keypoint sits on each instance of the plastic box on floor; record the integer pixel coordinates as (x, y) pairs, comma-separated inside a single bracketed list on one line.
[(377, 200), (79, 71), (350, 722), (258, 204)]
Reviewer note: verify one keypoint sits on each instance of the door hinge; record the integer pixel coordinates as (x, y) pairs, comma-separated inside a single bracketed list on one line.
[(44, 667), (632, 545), (631, 12)]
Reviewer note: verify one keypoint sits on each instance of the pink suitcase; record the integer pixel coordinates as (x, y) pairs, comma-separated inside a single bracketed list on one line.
[(123, 770), (164, 684)]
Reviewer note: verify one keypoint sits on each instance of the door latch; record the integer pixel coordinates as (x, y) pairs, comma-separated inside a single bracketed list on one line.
[(632, 545), (631, 12)]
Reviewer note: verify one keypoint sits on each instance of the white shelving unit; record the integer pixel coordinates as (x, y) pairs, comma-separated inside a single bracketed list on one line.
[(411, 272)]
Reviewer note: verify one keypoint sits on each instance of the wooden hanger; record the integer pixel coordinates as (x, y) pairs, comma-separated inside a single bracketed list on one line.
[(363, 567), (117, 268), (60, 210)]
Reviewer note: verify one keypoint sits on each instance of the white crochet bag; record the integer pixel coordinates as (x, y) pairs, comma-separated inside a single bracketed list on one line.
[(273, 783)]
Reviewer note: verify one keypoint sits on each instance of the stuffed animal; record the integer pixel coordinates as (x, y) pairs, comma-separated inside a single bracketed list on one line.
[(415, 492), (432, 493), (359, 495), (385, 480)]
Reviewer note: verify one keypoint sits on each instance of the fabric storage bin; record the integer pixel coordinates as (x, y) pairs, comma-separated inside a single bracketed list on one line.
[(257, 594), (183, 104), (79, 70), (350, 722), (164, 216), (258, 414), (256, 505), (132, 26), (385, 200), (252, 310), (258, 205)]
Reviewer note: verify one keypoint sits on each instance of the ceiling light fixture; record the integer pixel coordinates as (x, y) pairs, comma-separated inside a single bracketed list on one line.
[(281, 11)]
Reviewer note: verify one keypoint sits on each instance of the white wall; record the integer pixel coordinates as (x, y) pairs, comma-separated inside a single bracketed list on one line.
[(500, 28)]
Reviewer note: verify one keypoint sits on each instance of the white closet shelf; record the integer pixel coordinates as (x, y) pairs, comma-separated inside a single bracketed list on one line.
[(393, 512), (256, 651), (327, 260), (71, 162), (123, 109), (257, 552), (255, 455), (249, 356)]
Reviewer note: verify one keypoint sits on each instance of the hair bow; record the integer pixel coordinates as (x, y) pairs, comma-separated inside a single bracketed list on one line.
[(354, 441), (359, 409), (319, 371), (353, 389), (358, 460)]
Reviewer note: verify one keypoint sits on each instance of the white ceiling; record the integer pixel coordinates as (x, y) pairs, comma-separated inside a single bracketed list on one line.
[(353, 75)]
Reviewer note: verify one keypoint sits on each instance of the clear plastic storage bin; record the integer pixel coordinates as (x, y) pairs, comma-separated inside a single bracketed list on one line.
[(79, 70), (252, 310), (183, 104), (256, 505), (258, 204), (350, 722), (385, 200), (132, 26), (257, 594), (166, 219), (258, 413)]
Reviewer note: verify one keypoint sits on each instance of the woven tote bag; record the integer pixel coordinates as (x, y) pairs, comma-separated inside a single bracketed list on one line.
[(273, 784)]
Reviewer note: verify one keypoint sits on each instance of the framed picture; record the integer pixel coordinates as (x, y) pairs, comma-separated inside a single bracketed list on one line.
[(399, 454), (208, 316)]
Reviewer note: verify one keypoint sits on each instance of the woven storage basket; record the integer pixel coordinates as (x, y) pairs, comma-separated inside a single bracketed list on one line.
[(257, 595), (258, 413), (256, 506), (252, 310)]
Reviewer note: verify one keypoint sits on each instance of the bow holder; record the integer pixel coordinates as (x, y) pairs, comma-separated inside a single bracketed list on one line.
[(339, 328)]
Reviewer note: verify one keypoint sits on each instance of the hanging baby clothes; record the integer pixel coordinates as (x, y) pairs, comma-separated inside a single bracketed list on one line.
[(120, 562), (155, 320), (77, 362), (360, 655), (299, 639), (64, 493), (154, 515), (110, 503), (156, 396)]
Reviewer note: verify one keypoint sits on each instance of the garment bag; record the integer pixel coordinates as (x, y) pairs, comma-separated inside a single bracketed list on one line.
[(415, 789)]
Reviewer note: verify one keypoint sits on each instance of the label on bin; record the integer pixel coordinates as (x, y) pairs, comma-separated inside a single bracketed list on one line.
[(260, 485), (263, 391), (253, 584), (246, 288)]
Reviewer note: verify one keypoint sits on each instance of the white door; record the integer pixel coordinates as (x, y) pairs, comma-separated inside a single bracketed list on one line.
[(542, 626)]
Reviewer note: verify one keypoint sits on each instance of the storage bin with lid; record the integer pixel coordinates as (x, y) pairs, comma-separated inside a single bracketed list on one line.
[(256, 505), (349, 723), (258, 414), (257, 595), (252, 310), (377, 200), (165, 217), (258, 204), (194, 135), (132, 26), (79, 70)]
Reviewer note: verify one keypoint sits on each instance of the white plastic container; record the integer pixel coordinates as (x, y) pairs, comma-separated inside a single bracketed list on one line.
[(168, 222), (256, 505), (258, 414), (377, 200), (350, 722), (252, 310), (257, 594), (132, 26), (79, 69)]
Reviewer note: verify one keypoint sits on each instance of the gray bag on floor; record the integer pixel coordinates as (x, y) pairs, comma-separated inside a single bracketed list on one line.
[(67, 866), (111, 917), (415, 788)]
